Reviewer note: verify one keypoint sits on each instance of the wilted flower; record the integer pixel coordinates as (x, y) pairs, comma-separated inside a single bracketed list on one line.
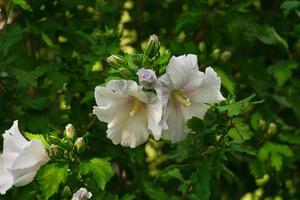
[(82, 194), (132, 115), (70, 131), (21, 159), (147, 78), (185, 92)]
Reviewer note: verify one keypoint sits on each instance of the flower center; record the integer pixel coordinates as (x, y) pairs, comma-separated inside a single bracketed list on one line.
[(180, 98), (136, 106)]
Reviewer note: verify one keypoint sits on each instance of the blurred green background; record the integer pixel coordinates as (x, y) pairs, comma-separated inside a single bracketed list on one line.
[(52, 55)]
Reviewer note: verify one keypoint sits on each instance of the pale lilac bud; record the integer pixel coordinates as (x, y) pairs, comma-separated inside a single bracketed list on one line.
[(147, 78)]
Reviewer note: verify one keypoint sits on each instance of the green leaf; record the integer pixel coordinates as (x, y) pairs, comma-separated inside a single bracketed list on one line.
[(290, 138), (24, 77), (282, 70), (275, 152), (236, 108), (39, 137), (23, 4), (226, 81), (201, 182), (242, 149), (154, 192), (100, 169), (173, 174), (267, 35), (51, 176), (47, 40), (188, 18), (288, 6), (239, 133), (163, 58)]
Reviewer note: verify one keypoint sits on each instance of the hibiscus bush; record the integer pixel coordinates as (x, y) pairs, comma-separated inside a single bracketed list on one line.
[(128, 99)]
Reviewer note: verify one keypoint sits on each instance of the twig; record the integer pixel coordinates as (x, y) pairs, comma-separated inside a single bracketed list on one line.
[(89, 125), (184, 195)]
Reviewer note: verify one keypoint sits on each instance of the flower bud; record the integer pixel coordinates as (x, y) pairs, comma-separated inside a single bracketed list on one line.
[(202, 47), (124, 72), (66, 191), (225, 56), (54, 150), (211, 149), (272, 129), (152, 47), (147, 78), (70, 131), (215, 54), (80, 144), (116, 61)]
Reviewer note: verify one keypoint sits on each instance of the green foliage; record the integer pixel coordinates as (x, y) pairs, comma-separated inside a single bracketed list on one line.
[(274, 152), (53, 54), (100, 169), (23, 4), (51, 177), (282, 70), (39, 137)]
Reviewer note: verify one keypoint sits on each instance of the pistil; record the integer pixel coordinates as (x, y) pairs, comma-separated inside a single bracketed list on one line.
[(136, 106), (180, 98)]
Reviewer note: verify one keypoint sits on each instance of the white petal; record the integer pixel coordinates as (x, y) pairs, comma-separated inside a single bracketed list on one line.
[(175, 121), (154, 111), (194, 110), (129, 131), (31, 155), (114, 96), (13, 139), (7, 159), (6, 180), (182, 69), (208, 90), (24, 176)]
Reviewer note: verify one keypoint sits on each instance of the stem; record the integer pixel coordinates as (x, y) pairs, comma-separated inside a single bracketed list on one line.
[(10, 6), (89, 125), (186, 190)]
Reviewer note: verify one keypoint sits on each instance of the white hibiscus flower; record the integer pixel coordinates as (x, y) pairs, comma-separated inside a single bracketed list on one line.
[(132, 115), (20, 160), (185, 92)]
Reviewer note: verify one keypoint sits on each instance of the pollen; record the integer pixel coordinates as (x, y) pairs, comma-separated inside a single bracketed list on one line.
[(180, 98), (136, 106)]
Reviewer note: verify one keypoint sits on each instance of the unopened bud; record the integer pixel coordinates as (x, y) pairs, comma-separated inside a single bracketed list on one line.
[(116, 61), (80, 144), (216, 54), (225, 56), (124, 72), (202, 47), (70, 131), (262, 124), (211, 149), (53, 150), (272, 129), (66, 191), (147, 78), (152, 47)]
